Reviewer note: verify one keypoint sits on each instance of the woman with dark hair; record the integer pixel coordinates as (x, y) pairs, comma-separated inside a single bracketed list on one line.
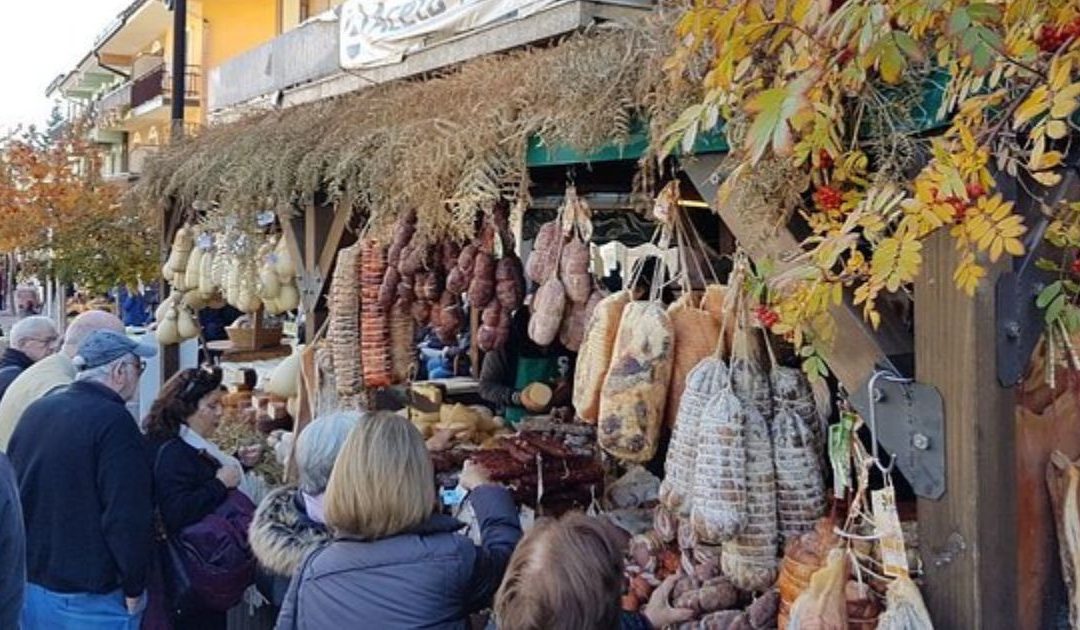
[(192, 477)]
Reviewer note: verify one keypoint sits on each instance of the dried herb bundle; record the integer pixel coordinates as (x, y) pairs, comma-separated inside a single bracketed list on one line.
[(445, 147)]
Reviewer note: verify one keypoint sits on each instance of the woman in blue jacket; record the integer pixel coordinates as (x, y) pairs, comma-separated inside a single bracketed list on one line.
[(395, 562)]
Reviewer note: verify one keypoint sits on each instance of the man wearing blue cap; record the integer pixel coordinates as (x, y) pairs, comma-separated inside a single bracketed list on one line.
[(85, 485)]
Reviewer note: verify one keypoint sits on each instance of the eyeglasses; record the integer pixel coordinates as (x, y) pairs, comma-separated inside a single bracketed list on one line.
[(139, 365), (48, 342)]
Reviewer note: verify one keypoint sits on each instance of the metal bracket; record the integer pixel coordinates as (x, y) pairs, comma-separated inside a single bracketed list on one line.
[(910, 424), (1019, 321)]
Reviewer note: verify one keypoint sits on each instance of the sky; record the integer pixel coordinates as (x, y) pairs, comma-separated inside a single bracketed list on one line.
[(39, 40)]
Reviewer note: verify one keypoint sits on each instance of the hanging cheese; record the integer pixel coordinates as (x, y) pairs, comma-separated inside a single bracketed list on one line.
[(187, 327), (595, 355), (206, 275), (194, 265), (167, 333), (635, 389)]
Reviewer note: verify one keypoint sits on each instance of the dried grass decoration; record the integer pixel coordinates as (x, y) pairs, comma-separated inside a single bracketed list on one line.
[(444, 147)]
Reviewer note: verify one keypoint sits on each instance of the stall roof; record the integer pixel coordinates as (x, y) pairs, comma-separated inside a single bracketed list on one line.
[(444, 147)]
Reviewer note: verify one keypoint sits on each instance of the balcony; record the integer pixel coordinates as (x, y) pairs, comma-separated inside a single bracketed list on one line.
[(154, 87), (304, 54), (109, 111)]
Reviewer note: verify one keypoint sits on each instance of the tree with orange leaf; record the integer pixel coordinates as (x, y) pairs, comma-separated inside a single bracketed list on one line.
[(64, 220)]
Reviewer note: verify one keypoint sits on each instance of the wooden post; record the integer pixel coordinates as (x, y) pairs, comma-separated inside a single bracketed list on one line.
[(968, 538)]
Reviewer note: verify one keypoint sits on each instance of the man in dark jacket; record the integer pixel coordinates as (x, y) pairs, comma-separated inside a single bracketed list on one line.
[(12, 548), (31, 340), (84, 481)]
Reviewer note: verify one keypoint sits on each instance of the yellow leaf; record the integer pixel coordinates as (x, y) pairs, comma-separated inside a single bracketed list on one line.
[(1035, 104), (1057, 129), (1066, 102), (1047, 160), (1014, 247), (1047, 178), (1060, 68)]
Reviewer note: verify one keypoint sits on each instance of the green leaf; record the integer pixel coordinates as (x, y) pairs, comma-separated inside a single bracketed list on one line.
[(891, 63), (774, 108), (959, 22), (1046, 265), (1071, 286), (984, 12), (1071, 318), (1048, 294), (1053, 312), (908, 45)]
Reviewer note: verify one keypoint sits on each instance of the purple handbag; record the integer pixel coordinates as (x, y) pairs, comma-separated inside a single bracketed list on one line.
[(215, 552), (209, 564)]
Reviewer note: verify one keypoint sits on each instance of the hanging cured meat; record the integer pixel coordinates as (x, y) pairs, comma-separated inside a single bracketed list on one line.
[(635, 390), (574, 270), (704, 382), (547, 312), (482, 285), (374, 320), (510, 283), (697, 334), (544, 259), (595, 356), (344, 325)]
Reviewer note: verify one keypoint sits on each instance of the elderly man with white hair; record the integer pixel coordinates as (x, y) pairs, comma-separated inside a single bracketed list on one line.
[(289, 522), (31, 340), (85, 487), (52, 372)]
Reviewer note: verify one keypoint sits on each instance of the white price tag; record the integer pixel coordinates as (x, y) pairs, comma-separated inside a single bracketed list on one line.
[(890, 536)]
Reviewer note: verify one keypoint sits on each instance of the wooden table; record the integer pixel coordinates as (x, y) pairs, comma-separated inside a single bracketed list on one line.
[(230, 352)]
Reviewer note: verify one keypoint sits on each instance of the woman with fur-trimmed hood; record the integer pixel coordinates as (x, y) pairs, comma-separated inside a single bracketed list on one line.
[(289, 523)]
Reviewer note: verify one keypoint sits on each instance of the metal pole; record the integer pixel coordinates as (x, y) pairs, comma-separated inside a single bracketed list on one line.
[(179, 68)]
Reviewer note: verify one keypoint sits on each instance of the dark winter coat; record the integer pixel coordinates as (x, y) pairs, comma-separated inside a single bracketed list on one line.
[(281, 536), (186, 487), (84, 481), (12, 548), (430, 577), (12, 365)]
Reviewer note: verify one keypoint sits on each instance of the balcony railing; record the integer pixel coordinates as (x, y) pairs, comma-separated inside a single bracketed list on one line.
[(306, 53), (158, 82)]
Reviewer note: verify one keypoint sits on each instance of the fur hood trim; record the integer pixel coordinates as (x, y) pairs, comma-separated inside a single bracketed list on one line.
[(281, 534)]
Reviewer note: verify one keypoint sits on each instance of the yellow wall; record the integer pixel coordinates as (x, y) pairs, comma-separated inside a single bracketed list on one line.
[(235, 26)]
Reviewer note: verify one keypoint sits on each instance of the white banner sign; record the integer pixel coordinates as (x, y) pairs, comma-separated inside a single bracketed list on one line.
[(379, 32)]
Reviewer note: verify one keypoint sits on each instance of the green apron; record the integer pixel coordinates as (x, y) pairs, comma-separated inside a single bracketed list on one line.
[(530, 370)]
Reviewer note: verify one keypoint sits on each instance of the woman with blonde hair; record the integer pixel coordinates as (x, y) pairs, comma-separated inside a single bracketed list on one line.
[(395, 562)]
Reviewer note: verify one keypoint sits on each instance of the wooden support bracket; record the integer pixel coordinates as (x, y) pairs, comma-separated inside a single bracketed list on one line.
[(857, 351)]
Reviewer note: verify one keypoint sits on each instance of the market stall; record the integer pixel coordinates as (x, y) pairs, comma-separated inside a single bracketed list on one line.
[(782, 474)]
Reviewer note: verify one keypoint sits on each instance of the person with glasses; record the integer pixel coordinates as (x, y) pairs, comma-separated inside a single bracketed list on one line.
[(31, 340), (52, 372), (85, 486)]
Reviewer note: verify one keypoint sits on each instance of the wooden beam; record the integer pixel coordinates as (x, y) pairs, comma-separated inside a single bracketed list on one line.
[(968, 538), (332, 242), (856, 349)]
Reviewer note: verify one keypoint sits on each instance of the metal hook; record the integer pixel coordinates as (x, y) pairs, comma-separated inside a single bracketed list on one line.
[(872, 399)]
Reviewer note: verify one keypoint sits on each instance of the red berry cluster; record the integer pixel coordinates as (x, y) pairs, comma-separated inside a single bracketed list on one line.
[(766, 316), (1053, 37), (960, 206), (825, 159), (828, 198), (1075, 267)]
